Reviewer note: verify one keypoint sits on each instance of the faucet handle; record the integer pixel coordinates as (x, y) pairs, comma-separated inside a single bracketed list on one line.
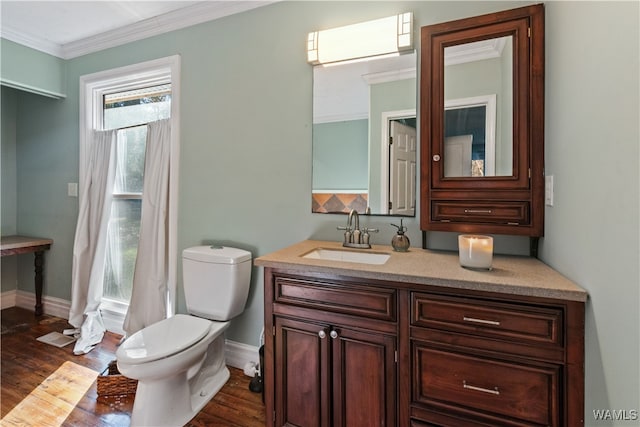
[(348, 236), (365, 235)]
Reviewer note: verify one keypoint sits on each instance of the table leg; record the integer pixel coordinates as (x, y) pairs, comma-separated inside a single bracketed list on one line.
[(39, 264)]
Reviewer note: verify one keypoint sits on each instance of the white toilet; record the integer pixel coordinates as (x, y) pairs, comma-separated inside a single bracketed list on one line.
[(179, 362)]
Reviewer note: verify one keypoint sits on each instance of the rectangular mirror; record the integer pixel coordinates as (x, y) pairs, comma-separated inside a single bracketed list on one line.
[(478, 103), (364, 136)]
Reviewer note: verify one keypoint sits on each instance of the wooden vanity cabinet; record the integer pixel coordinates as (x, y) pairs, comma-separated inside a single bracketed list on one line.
[(333, 352), (496, 360), (353, 352), (508, 201)]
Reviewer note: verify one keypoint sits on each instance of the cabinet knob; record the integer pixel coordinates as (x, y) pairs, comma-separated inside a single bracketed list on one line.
[(333, 334), (322, 334), (436, 157)]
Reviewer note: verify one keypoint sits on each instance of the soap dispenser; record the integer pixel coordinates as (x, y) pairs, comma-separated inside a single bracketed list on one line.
[(400, 242)]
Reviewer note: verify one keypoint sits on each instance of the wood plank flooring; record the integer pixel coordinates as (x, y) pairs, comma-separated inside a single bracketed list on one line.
[(27, 364)]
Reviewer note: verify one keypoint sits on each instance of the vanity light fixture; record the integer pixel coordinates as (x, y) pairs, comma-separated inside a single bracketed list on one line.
[(386, 36)]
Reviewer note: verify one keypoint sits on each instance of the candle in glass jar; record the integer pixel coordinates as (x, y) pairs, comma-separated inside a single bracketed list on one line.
[(475, 251)]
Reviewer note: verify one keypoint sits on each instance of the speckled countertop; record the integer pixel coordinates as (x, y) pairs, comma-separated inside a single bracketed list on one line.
[(510, 274)]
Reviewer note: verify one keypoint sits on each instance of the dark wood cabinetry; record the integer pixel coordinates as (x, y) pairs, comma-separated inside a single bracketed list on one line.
[(345, 351), (474, 196), (335, 358), (492, 361)]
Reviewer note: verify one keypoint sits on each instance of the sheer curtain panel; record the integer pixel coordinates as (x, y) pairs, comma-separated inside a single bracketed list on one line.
[(90, 241), (150, 279)]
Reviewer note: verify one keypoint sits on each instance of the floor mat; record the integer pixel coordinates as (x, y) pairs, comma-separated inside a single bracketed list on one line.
[(56, 338), (54, 399)]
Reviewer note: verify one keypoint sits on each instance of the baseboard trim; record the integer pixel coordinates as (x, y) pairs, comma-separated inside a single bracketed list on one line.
[(237, 354), (113, 321), (8, 299), (52, 306)]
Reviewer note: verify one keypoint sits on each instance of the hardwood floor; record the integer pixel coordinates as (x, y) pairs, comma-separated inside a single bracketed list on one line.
[(27, 363)]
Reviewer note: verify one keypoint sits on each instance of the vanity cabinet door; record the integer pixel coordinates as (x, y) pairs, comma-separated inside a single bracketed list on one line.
[(333, 376), (302, 385), (364, 378)]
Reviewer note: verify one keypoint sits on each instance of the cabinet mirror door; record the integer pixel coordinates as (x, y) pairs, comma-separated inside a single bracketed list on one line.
[(479, 108), (482, 122)]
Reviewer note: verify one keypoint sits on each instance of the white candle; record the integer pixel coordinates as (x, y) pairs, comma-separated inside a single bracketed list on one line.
[(475, 251)]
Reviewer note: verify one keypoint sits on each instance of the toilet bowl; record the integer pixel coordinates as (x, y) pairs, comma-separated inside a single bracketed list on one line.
[(179, 362)]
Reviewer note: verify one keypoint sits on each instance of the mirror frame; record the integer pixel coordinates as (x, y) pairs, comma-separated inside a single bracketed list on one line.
[(523, 191)]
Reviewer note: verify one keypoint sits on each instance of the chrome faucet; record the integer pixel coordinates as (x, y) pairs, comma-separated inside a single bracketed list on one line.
[(354, 237)]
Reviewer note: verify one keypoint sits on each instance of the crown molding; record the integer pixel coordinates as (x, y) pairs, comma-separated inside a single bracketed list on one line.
[(178, 19), (390, 76), (475, 51), (9, 33), (341, 117)]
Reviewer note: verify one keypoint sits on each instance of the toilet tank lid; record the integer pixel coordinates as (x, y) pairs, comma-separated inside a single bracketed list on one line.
[(216, 254)]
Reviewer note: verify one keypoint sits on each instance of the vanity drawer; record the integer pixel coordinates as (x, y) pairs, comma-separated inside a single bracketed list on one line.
[(526, 324), (527, 394), (357, 299), (516, 213)]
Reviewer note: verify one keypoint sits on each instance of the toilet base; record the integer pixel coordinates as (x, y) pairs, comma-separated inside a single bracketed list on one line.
[(173, 401)]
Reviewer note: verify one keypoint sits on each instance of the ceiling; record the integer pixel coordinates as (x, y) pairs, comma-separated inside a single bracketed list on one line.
[(69, 29)]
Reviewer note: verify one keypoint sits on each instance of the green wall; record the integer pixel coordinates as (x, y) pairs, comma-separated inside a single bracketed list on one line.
[(246, 156), (593, 151), (8, 180), (31, 70), (340, 156)]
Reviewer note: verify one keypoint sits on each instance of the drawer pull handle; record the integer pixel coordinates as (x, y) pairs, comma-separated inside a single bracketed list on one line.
[(478, 211), (482, 389), (482, 321)]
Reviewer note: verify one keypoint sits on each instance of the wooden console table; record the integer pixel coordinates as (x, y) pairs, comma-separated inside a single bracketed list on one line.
[(15, 245)]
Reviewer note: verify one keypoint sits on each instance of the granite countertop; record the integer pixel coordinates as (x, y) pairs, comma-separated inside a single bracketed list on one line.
[(515, 275)]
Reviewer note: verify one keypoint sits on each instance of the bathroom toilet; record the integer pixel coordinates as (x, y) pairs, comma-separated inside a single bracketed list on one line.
[(179, 362)]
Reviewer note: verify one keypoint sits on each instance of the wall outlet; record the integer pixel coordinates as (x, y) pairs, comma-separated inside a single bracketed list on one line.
[(548, 190)]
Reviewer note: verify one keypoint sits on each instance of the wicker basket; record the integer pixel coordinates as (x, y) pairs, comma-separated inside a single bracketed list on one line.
[(111, 383)]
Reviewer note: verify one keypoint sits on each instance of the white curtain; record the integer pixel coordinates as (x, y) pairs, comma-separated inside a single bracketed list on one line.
[(89, 244), (149, 293)]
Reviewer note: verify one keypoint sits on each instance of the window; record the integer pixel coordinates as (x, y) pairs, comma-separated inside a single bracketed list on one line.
[(127, 99), (128, 111)]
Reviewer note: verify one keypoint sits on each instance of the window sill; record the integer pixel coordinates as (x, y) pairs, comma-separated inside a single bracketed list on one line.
[(113, 314)]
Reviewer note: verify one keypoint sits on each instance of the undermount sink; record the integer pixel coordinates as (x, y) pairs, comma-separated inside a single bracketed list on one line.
[(347, 256)]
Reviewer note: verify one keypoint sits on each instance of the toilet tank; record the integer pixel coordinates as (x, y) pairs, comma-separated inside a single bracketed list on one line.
[(216, 281)]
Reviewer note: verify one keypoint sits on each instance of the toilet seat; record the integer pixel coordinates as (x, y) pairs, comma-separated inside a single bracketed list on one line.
[(163, 339)]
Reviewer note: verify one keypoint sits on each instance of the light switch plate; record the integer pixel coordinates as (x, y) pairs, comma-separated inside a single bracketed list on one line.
[(72, 189), (548, 190)]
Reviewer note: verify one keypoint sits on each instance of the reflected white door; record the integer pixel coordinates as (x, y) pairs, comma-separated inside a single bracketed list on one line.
[(402, 169), (457, 155)]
